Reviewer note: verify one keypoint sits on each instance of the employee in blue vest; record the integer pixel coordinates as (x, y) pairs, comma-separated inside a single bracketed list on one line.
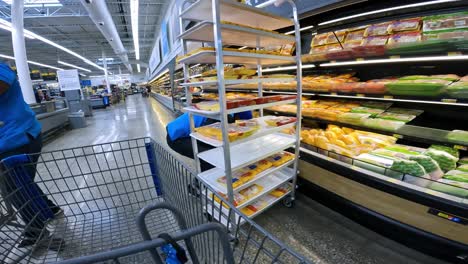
[(178, 134), (20, 133)]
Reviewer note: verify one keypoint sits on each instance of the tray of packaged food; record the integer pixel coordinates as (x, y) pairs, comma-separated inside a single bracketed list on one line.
[(420, 47), (419, 87)]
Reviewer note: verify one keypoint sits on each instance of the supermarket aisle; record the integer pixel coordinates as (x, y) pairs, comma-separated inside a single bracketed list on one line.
[(315, 231)]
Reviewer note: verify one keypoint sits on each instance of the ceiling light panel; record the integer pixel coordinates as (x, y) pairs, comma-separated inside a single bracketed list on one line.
[(73, 66), (134, 4)]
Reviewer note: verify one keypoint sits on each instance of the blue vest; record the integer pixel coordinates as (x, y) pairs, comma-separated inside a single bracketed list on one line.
[(18, 118)]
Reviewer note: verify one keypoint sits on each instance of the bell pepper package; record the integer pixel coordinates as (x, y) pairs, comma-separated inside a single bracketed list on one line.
[(377, 29), (339, 36), (319, 40), (405, 37), (355, 36), (411, 24)]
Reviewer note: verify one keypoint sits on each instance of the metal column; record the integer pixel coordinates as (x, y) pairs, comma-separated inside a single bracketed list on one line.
[(19, 49)]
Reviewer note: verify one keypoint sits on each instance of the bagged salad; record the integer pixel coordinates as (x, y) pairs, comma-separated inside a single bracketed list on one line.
[(446, 157)]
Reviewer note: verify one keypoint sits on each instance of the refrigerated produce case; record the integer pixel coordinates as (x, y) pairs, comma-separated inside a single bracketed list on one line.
[(404, 61)]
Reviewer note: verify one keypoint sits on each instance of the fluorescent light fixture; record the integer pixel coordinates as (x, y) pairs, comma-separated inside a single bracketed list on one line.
[(314, 33), (97, 76), (394, 60), (301, 29), (193, 66), (386, 10), (134, 19), (267, 3), (84, 75), (138, 68), (32, 62), (107, 59), (241, 48), (30, 34), (308, 66), (73, 66)]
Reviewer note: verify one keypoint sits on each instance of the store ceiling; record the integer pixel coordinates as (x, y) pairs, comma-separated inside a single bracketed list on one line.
[(66, 22)]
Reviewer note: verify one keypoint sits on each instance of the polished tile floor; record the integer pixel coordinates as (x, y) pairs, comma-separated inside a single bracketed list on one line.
[(311, 229)]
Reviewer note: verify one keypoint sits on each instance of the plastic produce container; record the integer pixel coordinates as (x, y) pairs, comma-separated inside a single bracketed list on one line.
[(422, 88), (458, 90), (383, 124)]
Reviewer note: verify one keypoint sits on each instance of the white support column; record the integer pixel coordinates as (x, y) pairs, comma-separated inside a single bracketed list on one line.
[(106, 73), (19, 50)]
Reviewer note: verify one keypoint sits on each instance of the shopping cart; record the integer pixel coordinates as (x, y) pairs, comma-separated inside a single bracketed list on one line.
[(118, 198)]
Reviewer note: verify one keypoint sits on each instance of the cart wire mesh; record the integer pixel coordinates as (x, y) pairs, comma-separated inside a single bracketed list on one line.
[(100, 190)]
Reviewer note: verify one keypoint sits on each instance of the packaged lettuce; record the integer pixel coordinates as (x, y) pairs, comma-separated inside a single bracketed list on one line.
[(463, 168), (367, 110), (401, 163), (449, 150), (445, 160), (458, 135), (405, 111), (430, 166), (396, 117), (457, 175), (463, 161)]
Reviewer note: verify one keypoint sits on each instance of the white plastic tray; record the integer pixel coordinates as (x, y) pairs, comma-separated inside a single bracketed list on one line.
[(237, 35), (264, 130), (236, 12), (215, 115), (248, 152), (235, 57), (210, 177)]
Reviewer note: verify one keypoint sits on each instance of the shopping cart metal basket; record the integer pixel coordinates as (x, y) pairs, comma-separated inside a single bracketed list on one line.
[(109, 194)]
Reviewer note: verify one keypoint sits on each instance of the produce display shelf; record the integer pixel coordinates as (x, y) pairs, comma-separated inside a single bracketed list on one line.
[(236, 35), (380, 173), (388, 59), (215, 115), (236, 57), (238, 81), (249, 152), (163, 99), (210, 177), (358, 96), (235, 12), (415, 133), (264, 130)]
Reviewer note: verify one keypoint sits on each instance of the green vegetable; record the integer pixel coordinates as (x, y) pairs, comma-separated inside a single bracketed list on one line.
[(451, 187), (463, 168), (445, 160), (449, 150), (456, 175)]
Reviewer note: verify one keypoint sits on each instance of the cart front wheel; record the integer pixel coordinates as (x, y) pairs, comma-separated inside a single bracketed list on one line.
[(288, 202)]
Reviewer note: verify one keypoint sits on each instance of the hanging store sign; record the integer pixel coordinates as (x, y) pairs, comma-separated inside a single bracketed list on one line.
[(68, 80)]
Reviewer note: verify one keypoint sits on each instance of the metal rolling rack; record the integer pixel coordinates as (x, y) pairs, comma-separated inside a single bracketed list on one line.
[(227, 156)]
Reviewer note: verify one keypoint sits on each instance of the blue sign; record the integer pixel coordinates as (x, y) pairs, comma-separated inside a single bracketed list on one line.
[(85, 82)]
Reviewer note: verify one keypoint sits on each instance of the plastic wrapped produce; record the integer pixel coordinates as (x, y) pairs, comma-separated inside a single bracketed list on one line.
[(445, 77), (439, 23), (458, 135), (463, 161), (445, 160), (367, 110), (450, 150), (458, 90), (405, 37), (371, 87), (377, 105), (383, 124), (411, 24), (353, 118), (457, 175), (396, 117), (417, 87), (377, 29), (401, 165), (463, 168), (404, 111), (338, 36)]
